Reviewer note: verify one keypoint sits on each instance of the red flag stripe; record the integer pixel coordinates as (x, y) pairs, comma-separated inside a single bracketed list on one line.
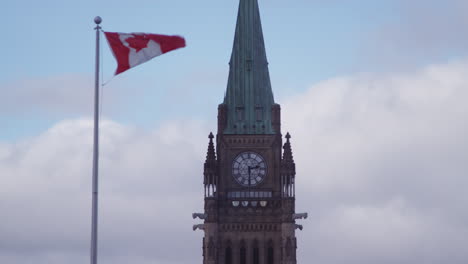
[(120, 51)]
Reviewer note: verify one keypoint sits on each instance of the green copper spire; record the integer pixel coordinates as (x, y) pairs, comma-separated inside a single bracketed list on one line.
[(249, 98)]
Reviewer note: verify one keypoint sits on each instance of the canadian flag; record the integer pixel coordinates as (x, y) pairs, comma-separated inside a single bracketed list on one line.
[(132, 49)]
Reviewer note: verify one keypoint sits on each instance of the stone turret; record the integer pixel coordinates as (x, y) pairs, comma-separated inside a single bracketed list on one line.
[(288, 169), (210, 169)]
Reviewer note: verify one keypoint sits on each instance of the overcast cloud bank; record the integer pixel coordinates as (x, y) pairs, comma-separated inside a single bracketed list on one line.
[(381, 160)]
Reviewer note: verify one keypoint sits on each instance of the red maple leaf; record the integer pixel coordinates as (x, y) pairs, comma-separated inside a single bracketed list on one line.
[(138, 42)]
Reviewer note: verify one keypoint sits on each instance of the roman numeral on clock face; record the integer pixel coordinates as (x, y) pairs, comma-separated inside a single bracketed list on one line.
[(249, 169)]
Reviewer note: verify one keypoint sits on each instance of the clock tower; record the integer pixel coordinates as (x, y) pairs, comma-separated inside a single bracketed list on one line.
[(249, 176)]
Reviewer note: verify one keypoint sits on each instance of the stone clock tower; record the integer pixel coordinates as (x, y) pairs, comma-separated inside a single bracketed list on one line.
[(249, 176)]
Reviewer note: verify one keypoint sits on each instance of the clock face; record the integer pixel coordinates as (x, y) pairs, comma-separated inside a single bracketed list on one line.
[(249, 169)]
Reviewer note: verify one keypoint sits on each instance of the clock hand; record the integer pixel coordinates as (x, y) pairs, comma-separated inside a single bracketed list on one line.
[(250, 170), (250, 178)]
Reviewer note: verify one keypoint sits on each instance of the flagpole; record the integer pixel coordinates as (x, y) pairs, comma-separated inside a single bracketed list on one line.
[(94, 214)]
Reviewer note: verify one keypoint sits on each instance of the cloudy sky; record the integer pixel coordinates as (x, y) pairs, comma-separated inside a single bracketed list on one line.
[(374, 94)]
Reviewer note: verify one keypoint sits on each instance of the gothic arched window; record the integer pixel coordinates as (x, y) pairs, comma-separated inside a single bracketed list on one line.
[(228, 255), (243, 253), (211, 248), (270, 253), (288, 247), (256, 253)]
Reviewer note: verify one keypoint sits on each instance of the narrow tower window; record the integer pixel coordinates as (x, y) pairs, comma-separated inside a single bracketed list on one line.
[(249, 64), (228, 255), (243, 254), (270, 253), (259, 113), (256, 255), (270, 256), (211, 248), (288, 247), (240, 113)]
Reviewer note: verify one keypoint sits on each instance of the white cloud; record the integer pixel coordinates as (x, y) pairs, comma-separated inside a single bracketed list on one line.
[(381, 169), (381, 165), (150, 185)]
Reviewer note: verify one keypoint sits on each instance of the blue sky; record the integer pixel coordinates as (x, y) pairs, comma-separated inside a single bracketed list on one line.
[(307, 41), (373, 93)]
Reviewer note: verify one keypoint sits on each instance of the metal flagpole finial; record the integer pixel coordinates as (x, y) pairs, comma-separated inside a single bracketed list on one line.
[(97, 20)]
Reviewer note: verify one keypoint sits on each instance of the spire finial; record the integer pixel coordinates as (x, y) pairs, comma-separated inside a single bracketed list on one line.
[(210, 154), (287, 154)]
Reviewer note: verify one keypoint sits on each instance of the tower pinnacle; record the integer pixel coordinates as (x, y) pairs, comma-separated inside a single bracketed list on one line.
[(249, 97)]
